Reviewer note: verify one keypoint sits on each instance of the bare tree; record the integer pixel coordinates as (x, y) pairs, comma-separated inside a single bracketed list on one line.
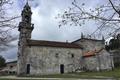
[(6, 25), (106, 13)]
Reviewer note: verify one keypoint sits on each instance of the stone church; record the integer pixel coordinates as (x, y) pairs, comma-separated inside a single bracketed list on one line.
[(38, 57)]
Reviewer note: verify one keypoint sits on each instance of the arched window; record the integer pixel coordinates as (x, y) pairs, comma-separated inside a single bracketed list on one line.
[(27, 18)]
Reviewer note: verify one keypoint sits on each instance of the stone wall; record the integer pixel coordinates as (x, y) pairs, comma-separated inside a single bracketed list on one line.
[(47, 60), (116, 56), (106, 60), (101, 61)]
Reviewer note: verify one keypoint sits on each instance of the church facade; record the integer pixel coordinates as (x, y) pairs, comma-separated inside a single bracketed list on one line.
[(38, 57)]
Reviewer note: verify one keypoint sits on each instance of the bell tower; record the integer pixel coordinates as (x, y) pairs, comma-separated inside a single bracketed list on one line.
[(25, 28)]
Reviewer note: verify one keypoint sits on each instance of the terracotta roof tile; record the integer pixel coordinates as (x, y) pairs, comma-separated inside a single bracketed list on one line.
[(92, 53), (52, 44)]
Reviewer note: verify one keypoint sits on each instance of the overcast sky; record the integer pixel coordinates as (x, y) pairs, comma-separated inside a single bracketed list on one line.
[(45, 24)]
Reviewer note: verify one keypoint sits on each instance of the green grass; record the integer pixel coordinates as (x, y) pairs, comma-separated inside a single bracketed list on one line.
[(87, 75), (114, 73), (102, 74)]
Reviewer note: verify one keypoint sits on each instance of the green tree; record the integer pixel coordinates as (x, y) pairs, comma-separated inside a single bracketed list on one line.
[(106, 13), (2, 62)]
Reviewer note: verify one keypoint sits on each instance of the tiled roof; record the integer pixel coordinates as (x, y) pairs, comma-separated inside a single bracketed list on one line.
[(92, 53), (87, 39), (52, 44)]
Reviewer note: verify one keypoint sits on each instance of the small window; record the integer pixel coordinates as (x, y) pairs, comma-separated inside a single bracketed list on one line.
[(72, 55), (11, 66), (56, 55)]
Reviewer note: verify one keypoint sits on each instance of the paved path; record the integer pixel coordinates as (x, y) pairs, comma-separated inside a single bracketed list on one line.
[(32, 78)]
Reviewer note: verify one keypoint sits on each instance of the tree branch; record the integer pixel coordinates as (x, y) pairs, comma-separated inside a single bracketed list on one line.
[(114, 7)]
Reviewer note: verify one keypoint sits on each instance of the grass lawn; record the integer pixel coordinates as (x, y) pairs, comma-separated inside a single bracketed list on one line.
[(103, 74), (87, 75), (114, 73)]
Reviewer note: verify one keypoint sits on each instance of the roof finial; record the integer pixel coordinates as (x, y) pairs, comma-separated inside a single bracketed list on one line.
[(27, 2)]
